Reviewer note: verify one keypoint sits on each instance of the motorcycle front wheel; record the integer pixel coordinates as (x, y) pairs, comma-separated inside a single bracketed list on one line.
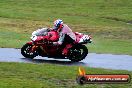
[(78, 53), (26, 51)]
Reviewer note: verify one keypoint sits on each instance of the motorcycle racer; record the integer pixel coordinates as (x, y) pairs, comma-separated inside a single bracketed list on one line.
[(64, 31)]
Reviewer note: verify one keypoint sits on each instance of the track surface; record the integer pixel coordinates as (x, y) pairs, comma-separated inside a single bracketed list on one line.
[(108, 61)]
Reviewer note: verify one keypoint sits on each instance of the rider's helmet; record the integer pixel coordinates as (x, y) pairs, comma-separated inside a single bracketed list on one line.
[(58, 24)]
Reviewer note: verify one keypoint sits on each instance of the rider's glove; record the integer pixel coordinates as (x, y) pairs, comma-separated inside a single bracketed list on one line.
[(55, 43)]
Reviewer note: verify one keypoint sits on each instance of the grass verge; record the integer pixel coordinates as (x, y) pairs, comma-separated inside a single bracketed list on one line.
[(23, 75)]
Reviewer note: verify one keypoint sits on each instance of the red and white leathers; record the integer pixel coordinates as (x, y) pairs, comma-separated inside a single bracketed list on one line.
[(65, 30)]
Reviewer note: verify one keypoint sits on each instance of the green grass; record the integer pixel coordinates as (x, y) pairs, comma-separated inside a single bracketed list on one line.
[(12, 39), (108, 21), (23, 75), (113, 46)]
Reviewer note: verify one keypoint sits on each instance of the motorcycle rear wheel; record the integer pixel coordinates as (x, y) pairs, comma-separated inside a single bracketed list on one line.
[(78, 53)]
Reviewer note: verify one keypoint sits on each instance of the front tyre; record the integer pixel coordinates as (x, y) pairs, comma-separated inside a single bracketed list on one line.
[(78, 53), (26, 51)]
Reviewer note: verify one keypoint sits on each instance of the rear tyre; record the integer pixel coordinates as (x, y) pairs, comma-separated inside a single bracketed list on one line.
[(26, 51), (78, 53)]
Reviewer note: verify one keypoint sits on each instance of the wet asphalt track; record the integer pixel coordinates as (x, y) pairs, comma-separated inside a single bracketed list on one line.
[(108, 61)]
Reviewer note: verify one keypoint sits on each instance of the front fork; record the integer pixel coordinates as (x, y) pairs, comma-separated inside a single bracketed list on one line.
[(33, 49)]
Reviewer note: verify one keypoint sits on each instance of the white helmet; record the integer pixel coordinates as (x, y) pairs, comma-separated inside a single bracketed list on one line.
[(58, 24)]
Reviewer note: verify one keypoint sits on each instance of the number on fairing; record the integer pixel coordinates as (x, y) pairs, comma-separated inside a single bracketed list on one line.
[(34, 37)]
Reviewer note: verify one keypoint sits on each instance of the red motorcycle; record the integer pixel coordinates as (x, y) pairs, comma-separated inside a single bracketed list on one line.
[(43, 46)]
